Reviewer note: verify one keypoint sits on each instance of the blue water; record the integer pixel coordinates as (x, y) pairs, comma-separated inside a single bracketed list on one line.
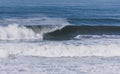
[(78, 12)]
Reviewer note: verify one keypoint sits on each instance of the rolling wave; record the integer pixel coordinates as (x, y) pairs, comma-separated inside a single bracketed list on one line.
[(69, 32), (55, 32), (17, 28), (46, 28)]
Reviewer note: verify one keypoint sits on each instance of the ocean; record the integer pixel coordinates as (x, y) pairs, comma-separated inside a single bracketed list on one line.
[(60, 39)]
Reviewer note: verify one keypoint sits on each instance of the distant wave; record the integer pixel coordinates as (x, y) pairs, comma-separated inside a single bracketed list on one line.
[(95, 19)]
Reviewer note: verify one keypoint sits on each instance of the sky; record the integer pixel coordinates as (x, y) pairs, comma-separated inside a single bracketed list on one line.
[(56, 2)]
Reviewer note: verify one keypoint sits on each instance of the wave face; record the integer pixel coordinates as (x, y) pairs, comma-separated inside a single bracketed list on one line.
[(69, 32)]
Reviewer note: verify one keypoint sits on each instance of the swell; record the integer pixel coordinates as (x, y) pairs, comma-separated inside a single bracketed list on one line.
[(95, 19), (70, 31), (111, 21)]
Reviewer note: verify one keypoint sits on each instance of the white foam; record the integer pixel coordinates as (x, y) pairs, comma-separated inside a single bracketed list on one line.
[(62, 49), (97, 36), (14, 32)]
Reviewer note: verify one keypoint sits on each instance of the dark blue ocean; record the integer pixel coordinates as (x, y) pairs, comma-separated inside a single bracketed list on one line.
[(78, 15)]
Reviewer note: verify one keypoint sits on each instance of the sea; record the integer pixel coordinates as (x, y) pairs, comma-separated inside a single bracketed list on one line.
[(76, 38)]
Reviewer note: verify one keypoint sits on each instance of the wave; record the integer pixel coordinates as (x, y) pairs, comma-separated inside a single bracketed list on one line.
[(46, 28), (90, 44), (69, 32), (56, 32), (29, 29), (34, 21), (95, 19)]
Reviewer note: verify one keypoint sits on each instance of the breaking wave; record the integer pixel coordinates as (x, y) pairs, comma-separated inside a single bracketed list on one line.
[(29, 29), (14, 32), (71, 31), (56, 32), (51, 29)]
